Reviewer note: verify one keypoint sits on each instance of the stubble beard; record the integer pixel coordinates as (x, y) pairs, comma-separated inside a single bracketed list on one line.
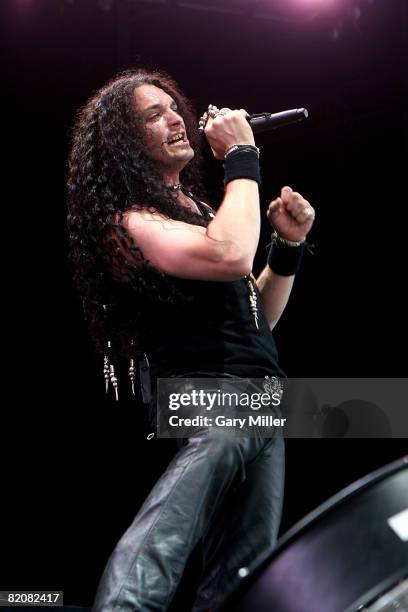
[(177, 164)]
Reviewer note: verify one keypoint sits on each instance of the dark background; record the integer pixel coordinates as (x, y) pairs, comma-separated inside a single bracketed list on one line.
[(75, 468)]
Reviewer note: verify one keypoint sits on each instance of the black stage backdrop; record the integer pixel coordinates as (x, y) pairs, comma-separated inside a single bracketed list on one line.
[(75, 468)]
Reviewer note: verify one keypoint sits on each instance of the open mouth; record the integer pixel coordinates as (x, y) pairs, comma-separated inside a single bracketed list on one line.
[(176, 139)]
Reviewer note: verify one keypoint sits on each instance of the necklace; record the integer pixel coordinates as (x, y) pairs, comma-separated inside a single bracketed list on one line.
[(179, 187), (197, 210), (176, 187)]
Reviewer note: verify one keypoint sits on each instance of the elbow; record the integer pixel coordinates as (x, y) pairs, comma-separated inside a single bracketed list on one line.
[(245, 268), (232, 262), (239, 261), (239, 267)]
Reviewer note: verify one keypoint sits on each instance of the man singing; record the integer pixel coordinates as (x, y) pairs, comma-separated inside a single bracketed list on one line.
[(161, 273)]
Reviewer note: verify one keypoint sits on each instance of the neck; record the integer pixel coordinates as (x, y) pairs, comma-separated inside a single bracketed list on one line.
[(170, 180)]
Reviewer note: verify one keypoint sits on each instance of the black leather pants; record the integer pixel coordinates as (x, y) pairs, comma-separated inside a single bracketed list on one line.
[(222, 490)]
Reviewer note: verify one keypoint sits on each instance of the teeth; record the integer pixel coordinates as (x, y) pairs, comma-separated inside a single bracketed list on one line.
[(175, 138)]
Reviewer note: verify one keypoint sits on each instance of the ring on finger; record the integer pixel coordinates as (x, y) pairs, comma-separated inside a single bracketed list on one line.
[(212, 112)]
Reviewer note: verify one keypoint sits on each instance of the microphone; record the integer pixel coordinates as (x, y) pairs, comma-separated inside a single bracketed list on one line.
[(263, 122)]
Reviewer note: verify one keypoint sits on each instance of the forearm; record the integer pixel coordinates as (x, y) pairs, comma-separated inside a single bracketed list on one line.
[(275, 291), (291, 216), (237, 222)]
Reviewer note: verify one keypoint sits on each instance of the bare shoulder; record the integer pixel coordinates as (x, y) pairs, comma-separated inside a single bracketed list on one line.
[(142, 221)]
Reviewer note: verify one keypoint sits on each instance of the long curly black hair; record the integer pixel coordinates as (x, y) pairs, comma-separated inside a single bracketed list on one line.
[(109, 173)]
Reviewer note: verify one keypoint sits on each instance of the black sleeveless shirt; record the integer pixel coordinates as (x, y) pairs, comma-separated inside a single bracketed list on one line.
[(213, 330)]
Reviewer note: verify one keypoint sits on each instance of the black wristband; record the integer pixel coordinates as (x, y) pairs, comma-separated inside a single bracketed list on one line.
[(239, 148), (285, 260), (242, 164)]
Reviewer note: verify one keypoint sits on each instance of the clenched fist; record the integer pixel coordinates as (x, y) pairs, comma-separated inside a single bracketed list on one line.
[(227, 128), (291, 215)]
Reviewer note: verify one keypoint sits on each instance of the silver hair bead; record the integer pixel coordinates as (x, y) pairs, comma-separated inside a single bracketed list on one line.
[(132, 374), (114, 380)]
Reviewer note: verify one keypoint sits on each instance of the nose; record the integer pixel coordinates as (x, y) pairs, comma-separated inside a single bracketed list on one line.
[(173, 117)]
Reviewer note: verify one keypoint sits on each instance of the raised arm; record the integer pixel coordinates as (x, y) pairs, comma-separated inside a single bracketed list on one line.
[(292, 217), (226, 248)]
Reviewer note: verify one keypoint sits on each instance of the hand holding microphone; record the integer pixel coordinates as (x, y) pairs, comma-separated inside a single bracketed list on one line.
[(261, 122), (224, 128), (231, 132)]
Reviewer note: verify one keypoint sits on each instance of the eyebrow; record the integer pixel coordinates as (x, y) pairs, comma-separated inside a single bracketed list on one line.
[(157, 106)]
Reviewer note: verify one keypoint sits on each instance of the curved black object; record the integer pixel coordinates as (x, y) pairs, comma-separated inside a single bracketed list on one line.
[(340, 557), (263, 122), (50, 608)]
